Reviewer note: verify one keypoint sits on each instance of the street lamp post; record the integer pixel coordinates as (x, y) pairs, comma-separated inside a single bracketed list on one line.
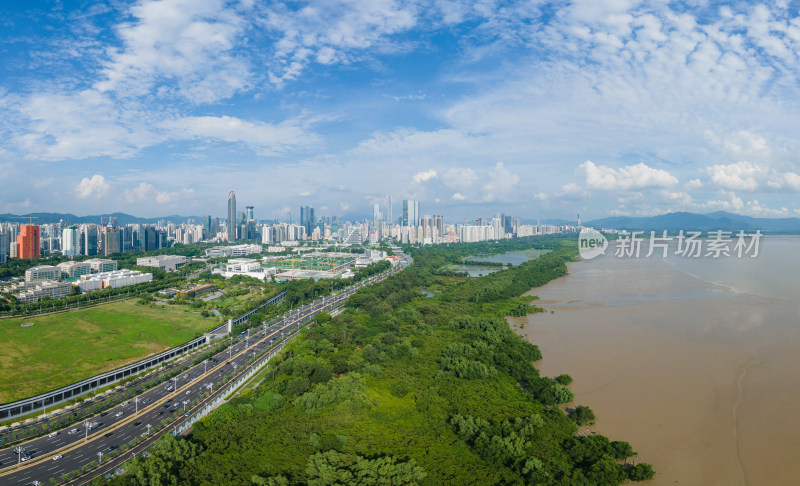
[(87, 425), (100, 457), (136, 402), (184, 404), (148, 429), (205, 364)]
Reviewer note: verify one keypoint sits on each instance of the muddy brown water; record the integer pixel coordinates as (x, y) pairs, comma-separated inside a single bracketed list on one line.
[(694, 363)]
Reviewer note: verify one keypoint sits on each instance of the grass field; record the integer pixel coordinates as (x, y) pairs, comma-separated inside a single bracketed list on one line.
[(63, 348)]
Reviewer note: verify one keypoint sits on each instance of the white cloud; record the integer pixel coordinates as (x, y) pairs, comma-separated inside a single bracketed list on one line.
[(145, 192), (183, 48), (264, 138), (333, 31), (630, 177), (693, 184), (94, 187), (305, 194), (424, 176), (457, 197), (139, 193), (501, 184), (739, 176), (459, 178)]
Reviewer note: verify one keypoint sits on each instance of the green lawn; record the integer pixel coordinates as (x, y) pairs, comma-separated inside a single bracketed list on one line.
[(63, 348)]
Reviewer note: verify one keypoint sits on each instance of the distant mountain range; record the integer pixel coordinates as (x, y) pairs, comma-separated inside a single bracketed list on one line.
[(122, 218), (719, 220)]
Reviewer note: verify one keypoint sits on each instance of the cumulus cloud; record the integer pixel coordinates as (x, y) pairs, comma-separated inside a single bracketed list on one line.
[(459, 178), (629, 177), (424, 176), (739, 176), (93, 187), (501, 184), (457, 197), (693, 184), (146, 192)]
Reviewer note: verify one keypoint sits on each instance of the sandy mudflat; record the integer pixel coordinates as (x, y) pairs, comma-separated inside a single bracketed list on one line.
[(666, 359)]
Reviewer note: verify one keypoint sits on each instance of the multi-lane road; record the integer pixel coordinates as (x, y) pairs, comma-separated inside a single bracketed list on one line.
[(97, 437)]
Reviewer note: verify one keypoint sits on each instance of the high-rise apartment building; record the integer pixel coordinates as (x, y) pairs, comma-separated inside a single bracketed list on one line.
[(70, 241), (410, 213), (232, 217), (250, 213), (111, 238), (28, 242)]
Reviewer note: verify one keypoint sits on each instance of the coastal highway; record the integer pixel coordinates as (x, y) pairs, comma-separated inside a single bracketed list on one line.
[(72, 448)]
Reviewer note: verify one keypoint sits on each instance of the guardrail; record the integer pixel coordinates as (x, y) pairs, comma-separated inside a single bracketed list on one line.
[(26, 406)]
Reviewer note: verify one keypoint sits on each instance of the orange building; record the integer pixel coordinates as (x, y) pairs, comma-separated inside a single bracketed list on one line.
[(28, 242)]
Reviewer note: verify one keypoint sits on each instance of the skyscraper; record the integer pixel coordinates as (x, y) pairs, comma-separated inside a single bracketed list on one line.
[(307, 219), (28, 242), (388, 213), (89, 238), (250, 213), (410, 213), (232, 217), (70, 241), (3, 245)]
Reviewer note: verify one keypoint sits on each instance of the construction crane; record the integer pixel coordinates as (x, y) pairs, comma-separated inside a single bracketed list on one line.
[(31, 218)]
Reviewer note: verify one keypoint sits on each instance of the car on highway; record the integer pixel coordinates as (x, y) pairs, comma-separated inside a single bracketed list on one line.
[(52, 434), (188, 391), (72, 431), (57, 457), (118, 414)]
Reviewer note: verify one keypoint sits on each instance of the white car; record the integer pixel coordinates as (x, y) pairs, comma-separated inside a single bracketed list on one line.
[(55, 458), (188, 391), (119, 414), (52, 434)]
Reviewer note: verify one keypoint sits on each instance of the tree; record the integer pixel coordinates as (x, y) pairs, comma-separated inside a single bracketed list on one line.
[(641, 472), (582, 415)]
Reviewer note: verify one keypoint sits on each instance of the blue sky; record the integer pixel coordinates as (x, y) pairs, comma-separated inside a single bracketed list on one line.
[(537, 109)]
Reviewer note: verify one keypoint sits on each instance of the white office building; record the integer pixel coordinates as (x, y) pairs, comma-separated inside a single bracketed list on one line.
[(100, 265), (34, 291), (43, 272), (115, 279), (74, 269)]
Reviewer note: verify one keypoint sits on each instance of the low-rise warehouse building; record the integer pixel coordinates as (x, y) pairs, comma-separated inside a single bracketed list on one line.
[(170, 263)]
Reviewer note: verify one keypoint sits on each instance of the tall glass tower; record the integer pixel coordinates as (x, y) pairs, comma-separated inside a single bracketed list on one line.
[(232, 217)]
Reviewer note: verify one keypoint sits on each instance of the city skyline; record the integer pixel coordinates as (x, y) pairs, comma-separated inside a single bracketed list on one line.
[(537, 109)]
